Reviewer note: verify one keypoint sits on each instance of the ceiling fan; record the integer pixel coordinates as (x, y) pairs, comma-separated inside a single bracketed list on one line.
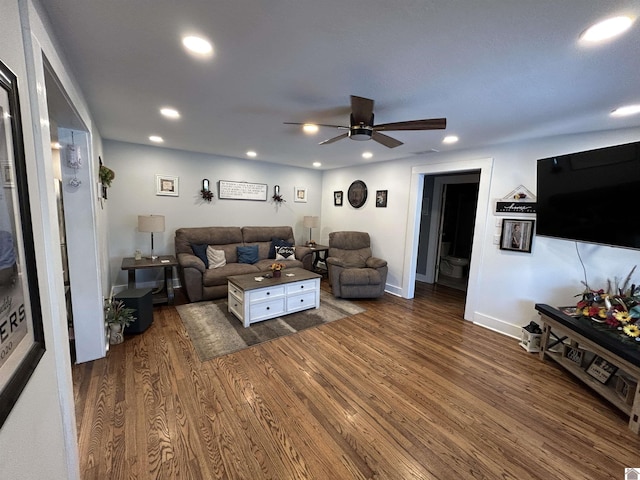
[(362, 128)]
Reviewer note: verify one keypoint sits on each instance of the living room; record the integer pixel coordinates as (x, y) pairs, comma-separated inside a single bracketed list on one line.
[(503, 286)]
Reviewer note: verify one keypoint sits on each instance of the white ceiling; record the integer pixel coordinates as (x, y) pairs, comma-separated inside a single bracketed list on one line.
[(498, 70)]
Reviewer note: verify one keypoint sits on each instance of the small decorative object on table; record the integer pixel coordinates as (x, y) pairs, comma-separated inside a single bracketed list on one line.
[(277, 268)]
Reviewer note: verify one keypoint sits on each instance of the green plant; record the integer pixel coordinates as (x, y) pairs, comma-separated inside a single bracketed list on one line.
[(115, 313), (106, 175)]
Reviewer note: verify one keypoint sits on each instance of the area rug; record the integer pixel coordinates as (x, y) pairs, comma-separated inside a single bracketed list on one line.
[(214, 331)]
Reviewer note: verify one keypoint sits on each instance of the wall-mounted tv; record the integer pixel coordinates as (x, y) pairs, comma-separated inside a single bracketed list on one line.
[(591, 196)]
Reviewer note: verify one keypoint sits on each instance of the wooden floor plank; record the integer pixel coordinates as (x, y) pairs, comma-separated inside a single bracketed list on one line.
[(406, 389)]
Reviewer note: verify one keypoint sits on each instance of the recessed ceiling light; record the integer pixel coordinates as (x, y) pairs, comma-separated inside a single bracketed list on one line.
[(626, 110), (310, 128), (450, 139), (198, 45), (251, 154), (367, 155), (156, 139), (317, 164), (606, 29), (170, 112)]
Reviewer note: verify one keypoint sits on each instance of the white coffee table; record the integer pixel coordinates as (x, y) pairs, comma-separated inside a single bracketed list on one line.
[(254, 301)]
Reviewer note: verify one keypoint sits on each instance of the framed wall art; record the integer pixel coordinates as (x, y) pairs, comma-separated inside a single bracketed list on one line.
[(337, 198), (517, 235), (381, 198), (300, 194), (229, 190), (357, 194), (21, 334), (167, 185)]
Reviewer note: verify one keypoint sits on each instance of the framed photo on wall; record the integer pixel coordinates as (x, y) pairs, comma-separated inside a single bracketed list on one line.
[(337, 198), (167, 185), (299, 194), (517, 235), (381, 198), (21, 334)]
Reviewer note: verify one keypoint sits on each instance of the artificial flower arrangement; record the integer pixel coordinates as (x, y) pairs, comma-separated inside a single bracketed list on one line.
[(277, 266), (207, 195), (277, 197), (617, 307)]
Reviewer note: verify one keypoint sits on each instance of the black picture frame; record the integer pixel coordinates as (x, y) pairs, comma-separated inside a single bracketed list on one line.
[(517, 235), (357, 194), (337, 198), (381, 198), (22, 342), (601, 369)]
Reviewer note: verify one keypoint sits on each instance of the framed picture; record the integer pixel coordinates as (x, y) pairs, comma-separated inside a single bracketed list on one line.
[(167, 185), (357, 194), (517, 235), (337, 198), (21, 334), (299, 194), (381, 198), (601, 370), (7, 175)]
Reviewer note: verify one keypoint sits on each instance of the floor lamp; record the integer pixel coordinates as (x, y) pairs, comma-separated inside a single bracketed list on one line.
[(151, 224), (311, 222)]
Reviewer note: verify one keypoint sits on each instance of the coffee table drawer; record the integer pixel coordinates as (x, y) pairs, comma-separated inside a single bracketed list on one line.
[(301, 302), (267, 309), (236, 306), (294, 288), (266, 293), (235, 291)]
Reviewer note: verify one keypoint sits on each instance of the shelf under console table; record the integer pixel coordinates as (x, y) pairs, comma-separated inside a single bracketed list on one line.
[(582, 334)]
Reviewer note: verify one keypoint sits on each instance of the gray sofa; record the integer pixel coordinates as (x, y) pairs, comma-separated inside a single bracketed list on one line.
[(201, 283)]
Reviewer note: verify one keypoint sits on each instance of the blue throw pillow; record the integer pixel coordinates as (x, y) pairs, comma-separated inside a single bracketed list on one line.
[(200, 251), (247, 254), (277, 242)]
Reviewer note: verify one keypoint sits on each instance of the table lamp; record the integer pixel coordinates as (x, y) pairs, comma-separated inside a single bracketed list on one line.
[(151, 224), (311, 222)]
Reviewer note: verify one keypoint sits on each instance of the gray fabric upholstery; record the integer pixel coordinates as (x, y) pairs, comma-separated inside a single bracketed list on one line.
[(201, 283), (353, 271)]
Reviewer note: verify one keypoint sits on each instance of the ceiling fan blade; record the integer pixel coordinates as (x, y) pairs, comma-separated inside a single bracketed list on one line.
[(317, 124), (427, 124), (334, 139), (385, 140), (361, 110)]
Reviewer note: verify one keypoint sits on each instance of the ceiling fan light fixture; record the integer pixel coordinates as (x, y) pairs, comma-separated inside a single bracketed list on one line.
[(606, 29), (626, 110), (360, 133)]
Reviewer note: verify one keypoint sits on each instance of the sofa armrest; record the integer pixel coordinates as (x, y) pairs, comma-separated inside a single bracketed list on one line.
[(373, 262), (188, 260), (305, 255)]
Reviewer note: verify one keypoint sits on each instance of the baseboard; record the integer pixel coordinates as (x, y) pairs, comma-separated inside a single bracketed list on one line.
[(497, 325), (393, 290)]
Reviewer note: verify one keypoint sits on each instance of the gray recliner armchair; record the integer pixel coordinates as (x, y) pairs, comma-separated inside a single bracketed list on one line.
[(353, 271)]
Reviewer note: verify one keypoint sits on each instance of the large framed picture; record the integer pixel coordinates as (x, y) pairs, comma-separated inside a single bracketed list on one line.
[(21, 333), (517, 235), (167, 185)]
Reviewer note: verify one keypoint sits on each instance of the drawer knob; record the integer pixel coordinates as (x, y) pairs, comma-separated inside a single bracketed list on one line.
[(268, 293), (301, 300), (268, 308)]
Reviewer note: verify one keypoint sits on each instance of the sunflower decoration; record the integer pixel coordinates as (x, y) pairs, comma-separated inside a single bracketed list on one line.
[(632, 330), (622, 317)]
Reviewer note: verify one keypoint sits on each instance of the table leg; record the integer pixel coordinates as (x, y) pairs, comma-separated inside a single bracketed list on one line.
[(132, 279), (168, 284)]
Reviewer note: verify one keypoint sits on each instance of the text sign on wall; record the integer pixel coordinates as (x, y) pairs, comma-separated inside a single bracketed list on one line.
[(242, 190), (516, 207)]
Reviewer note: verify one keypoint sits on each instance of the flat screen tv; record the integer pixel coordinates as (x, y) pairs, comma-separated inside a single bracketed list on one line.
[(591, 196)]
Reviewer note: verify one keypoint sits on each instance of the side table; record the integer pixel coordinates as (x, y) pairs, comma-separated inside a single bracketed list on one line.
[(319, 254), (164, 261)]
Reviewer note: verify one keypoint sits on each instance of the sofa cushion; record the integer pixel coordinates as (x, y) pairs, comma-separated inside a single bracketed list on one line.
[(248, 254), (285, 253), (216, 257), (200, 251), (278, 242)]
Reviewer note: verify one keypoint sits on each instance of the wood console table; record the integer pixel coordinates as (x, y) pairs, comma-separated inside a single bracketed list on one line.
[(583, 334), (167, 262)]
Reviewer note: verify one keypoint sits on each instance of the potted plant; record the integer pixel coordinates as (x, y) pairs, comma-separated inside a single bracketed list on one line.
[(277, 268), (117, 317)]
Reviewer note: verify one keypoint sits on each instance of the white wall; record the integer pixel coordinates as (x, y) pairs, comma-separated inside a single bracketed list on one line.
[(508, 283), (133, 193)]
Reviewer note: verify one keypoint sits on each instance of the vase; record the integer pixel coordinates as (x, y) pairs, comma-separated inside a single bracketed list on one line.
[(277, 273), (115, 334)]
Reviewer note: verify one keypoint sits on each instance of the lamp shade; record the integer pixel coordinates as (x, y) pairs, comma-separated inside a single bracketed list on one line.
[(311, 222), (151, 223)]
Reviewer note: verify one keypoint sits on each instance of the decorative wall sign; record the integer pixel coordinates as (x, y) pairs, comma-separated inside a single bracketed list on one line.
[(516, 208), (242, 190), (21, 333), (357, 194), (167, 185)]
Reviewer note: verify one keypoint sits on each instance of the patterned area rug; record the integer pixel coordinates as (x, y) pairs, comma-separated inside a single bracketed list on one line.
[(214, 331)]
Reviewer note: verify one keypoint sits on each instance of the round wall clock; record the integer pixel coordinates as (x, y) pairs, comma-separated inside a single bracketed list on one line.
[(357, 194)]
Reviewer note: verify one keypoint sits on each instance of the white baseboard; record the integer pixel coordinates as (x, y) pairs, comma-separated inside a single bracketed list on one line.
[(497, 325)]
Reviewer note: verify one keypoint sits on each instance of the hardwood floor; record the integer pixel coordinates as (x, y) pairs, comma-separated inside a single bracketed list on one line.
[(405, 390)]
